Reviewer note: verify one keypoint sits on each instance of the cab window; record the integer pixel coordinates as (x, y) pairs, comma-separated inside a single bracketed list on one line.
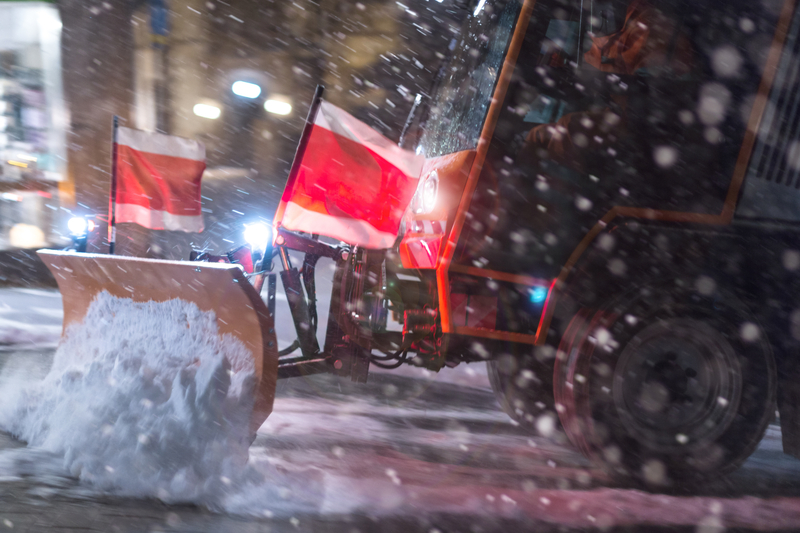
[(467, 81), (623, 102)]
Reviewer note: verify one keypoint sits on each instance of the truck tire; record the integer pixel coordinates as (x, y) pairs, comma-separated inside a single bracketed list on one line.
[(499, 391), (669, 388), (524, 389)]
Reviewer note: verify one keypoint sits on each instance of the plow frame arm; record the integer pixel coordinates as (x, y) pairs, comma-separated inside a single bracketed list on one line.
[(355, 314), (302, 304)]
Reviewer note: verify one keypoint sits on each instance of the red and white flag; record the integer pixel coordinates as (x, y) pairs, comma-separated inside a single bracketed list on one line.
[(352, 184), (158, 180)]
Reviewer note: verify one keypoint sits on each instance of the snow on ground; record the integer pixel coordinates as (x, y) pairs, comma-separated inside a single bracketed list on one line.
[(14, 332), (406, 447), (30, 317)]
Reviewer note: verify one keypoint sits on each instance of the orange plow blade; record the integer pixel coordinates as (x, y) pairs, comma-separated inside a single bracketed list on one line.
[(216, 287)]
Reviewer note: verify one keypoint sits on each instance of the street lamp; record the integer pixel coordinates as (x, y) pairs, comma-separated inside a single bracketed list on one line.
[(277, 107), (207, 111), (246, 89)]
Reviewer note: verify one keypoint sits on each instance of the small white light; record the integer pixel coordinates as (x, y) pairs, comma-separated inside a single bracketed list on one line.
[(77, 225), (50, 21), (11, 197), (246, 89), (207, 111), (430, 191), (424, 200), (479, 7), (26, 236), (278, 107), (257, 235)]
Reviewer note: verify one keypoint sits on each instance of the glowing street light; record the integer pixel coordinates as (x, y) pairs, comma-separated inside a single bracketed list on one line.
[(207, 111), (246, 89), (278, 107)]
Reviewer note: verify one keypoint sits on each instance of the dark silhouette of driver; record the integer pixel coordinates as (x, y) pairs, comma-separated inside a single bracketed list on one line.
[(649, 43)]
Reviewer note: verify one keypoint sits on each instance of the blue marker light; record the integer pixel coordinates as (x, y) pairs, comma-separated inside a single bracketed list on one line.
[(538, 294)]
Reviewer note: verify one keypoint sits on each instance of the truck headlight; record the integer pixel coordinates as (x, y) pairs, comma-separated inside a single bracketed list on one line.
[(257, 235), (425, 200), (78, 226)]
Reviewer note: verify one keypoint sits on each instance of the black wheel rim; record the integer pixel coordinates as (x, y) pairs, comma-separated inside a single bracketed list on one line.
[(677, 385)]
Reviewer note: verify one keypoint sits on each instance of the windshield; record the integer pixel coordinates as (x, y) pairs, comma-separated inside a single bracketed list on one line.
[(467, 81)]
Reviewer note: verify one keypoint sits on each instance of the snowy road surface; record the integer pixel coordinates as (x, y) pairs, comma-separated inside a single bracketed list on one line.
[(30, 317), (409, 451)]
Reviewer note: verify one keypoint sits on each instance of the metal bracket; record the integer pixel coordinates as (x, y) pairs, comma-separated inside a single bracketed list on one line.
[(296, 242), (298, 305), (271, 289)]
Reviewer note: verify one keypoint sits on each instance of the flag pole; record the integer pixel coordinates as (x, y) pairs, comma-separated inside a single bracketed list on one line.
[(112, 197), (298, 155)]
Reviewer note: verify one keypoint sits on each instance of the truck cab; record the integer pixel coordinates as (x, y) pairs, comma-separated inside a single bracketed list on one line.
[(614, 224)]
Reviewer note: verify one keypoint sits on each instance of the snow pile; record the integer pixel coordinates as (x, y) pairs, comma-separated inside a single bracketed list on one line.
[(147, 400)]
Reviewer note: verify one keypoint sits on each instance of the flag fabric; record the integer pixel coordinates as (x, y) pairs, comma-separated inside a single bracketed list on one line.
[(352, 183), (158, 180)]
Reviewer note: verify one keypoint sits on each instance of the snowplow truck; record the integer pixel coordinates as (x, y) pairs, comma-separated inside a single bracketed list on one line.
[(608, 217)]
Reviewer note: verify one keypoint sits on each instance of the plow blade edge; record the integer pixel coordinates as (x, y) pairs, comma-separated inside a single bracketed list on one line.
[(217, 287)]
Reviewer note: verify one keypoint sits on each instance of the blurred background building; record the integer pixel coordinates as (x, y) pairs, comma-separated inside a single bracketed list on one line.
[(236, 74)]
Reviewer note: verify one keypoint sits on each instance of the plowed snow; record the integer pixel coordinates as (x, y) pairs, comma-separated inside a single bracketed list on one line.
[(143, 399)]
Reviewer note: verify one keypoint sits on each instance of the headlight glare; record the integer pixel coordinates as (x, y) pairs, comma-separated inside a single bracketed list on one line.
[(257, 235), (77, 225)]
